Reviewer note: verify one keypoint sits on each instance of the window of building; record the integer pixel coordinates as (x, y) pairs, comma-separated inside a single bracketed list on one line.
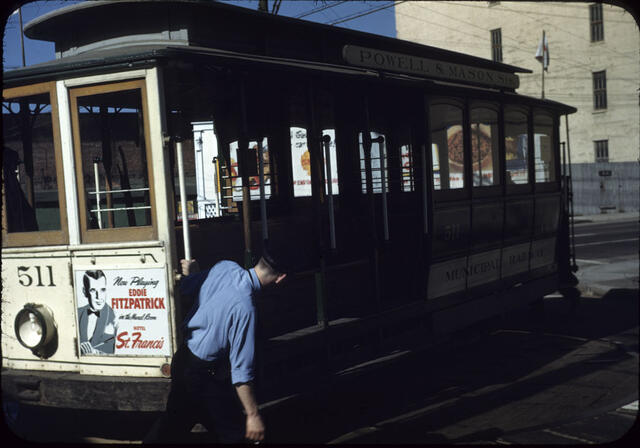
[(600, 90), (447, 146), (496, 44), (602, 150), (544, 160), (596, 21)]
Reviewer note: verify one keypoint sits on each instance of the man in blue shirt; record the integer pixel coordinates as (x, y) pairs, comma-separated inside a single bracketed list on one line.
[(213, 372)]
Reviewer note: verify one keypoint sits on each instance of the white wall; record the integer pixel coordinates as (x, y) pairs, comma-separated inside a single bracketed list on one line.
[(465, 27)]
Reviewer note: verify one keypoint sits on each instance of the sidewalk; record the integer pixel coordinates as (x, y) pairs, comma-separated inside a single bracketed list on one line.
[(607, 217), (596, 279)]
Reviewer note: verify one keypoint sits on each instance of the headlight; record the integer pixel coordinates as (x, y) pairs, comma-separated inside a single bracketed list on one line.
[(35, 327)]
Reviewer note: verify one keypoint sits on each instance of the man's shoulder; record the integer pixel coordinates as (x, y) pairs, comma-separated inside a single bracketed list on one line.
[(227, 265)]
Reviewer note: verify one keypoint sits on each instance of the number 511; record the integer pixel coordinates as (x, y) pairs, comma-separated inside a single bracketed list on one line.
[(25, 279)]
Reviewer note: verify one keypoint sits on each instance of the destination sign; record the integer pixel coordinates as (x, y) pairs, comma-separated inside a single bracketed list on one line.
[(429, 68)]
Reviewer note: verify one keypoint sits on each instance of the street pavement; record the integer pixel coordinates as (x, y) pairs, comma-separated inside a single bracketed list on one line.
[(568, 377), (597, 278)]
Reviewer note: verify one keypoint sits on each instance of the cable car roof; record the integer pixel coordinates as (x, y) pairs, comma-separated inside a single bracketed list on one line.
[(87, 42), (112, 24)]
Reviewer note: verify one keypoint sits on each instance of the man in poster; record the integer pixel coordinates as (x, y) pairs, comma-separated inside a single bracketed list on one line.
[(96, 321)]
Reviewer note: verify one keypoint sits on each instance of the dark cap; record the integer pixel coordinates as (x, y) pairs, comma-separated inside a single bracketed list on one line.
[(278, 256)]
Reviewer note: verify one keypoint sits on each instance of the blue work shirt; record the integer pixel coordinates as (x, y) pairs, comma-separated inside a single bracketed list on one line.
[(222, 321)]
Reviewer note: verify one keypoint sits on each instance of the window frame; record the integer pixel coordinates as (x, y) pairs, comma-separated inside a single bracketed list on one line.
[(596, 22), (118, 234), (552, 185), (496, 189), (599, 90), (601, 159), (449, 194), (496, 45), (527, 187), (44, 237)]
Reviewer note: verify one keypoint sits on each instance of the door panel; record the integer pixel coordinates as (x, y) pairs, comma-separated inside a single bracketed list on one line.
[(115, 180)]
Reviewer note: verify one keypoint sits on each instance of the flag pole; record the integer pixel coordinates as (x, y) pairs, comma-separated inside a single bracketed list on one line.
[(543, 50), (21, 36)]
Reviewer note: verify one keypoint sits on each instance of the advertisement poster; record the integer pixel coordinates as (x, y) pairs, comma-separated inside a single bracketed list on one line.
[(122, 312), (301, 162)]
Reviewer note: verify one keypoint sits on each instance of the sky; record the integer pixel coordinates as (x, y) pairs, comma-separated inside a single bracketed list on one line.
[(371, 16)]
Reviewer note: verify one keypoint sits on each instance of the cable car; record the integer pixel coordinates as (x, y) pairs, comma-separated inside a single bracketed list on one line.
[(420, 191)]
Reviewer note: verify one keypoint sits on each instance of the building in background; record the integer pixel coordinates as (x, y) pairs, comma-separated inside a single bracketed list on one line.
[(593, 65)]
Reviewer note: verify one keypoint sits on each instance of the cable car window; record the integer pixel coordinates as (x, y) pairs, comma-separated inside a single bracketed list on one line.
[(402, 134), (447, 146), (300, 162), (256, 148), (30, 164), (406, 159), (111, 157), (516, 140), (300, 155), (544, 160), (202, 172), (379, 163), (484, 146), (324, 104)]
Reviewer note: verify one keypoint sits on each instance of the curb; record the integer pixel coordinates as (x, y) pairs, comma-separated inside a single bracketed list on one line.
[(602, 219)]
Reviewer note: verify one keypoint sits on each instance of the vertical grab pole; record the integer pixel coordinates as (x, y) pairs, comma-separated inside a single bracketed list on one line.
[(425, 209), (243, 150), (97, 180), (263, 201), (326, 139), (367, 143), (383, 179), (183, 201)]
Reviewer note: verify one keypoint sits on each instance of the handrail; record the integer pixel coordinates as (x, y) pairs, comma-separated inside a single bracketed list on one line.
[(118, 191), (119, 209)]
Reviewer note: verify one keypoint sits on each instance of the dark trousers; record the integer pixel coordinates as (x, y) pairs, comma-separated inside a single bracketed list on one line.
[(200, 393)]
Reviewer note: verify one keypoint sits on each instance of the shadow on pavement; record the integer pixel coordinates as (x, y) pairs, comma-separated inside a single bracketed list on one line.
[(522, 370)]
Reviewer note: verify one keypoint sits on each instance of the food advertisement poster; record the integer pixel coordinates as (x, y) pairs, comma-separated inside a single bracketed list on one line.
[(122, 312), (301, 162)]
